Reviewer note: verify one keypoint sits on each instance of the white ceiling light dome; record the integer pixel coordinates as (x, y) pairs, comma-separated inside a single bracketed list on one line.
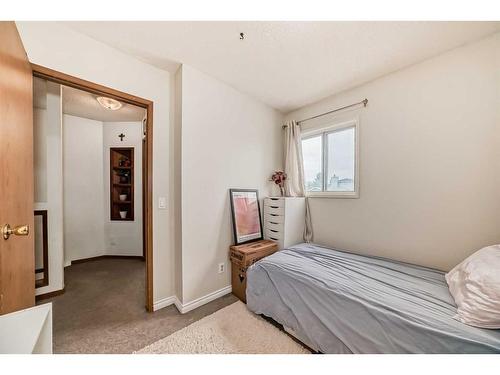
[(109, 103)]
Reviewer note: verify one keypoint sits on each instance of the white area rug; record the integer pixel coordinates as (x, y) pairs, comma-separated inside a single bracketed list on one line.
[(231, 330)]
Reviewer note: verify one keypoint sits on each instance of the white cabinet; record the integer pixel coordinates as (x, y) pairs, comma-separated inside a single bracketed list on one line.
[(284, 219), (27, 331)]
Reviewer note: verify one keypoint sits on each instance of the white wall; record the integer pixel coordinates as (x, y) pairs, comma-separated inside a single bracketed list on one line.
[(49, 181), (123, 237), (86, 189), (83, 188), (429, 161), (57, 47), (229, 140), (40, 153), (176, 178)]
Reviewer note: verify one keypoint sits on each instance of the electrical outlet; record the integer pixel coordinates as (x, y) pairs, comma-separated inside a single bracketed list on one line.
[(222, 267)]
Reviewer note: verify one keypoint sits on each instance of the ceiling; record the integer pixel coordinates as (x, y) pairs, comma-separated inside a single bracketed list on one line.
[(286, 64), (83, 104)]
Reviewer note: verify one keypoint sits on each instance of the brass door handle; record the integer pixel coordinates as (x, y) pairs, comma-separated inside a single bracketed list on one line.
[(20, 230)]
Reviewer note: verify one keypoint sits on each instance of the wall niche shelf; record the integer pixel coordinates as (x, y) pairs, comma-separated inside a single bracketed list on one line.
[(121, 183)]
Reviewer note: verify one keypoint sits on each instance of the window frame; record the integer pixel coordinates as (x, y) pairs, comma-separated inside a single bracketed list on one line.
[(324, 131)]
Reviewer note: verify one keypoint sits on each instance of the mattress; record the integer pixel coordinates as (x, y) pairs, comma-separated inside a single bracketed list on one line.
[(339, 302)]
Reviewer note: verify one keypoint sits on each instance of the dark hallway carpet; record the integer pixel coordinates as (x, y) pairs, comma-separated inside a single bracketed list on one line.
[(102, 310)]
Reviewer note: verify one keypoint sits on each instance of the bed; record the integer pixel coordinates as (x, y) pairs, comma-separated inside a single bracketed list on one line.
[(339, 302)]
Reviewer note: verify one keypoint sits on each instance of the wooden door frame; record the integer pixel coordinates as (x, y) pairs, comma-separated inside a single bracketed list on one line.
[(147, 185)]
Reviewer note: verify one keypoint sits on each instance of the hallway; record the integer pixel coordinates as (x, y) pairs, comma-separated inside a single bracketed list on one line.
[(102, 310)]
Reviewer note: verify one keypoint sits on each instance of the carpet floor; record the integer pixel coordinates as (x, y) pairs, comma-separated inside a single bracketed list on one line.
[(231, 330), (102, 310)]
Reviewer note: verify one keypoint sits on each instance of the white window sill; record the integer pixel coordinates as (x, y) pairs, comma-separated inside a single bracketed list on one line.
[(333, 194)]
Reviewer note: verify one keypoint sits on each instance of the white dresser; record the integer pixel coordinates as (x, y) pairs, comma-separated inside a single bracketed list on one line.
[(284, 219), (27, 331)]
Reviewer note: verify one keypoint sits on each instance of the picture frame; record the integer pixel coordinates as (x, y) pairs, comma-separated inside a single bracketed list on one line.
[(246, 217)]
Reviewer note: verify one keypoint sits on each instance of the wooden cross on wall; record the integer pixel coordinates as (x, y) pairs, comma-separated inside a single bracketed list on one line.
[(121, 136)]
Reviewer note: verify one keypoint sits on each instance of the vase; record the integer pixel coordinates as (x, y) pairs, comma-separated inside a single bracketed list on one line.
[(123, 214), (123, 197), (282, 191)]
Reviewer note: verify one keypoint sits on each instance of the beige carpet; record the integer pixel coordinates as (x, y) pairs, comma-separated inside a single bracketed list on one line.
[(231, 330)]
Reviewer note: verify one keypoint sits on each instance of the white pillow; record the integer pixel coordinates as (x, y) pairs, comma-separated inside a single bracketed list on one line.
[(475, 287)]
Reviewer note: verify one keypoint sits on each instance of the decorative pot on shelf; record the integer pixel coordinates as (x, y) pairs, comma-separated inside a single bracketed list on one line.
[(123, 214), (123, 197), (124, 162)]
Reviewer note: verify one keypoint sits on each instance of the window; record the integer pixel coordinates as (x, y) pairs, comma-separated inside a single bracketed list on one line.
[(330, 160)]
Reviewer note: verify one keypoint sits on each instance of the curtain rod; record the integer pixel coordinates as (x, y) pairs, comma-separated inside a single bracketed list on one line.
[(364, 102)]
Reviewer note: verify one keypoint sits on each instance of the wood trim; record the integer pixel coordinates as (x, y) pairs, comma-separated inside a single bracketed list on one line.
[(144, 179), (55, 293), (45, 239), (99, 257), (81, 84), (148, 207), (94, 88)]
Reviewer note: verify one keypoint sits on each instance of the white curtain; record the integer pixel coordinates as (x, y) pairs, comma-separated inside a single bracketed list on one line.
[(294, 170)]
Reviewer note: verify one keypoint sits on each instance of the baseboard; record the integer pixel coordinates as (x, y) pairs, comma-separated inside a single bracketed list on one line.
[(178, 304), (164, 302), (186, 307), (55, 293), (91, 259)]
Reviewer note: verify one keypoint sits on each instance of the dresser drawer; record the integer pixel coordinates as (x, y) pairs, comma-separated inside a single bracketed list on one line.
[(274, 210), (274, 226), (276, 202), (273, 219), (273, 235)]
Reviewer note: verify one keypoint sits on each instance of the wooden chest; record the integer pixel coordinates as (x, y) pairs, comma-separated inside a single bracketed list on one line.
[(242, 257), (247, 254)]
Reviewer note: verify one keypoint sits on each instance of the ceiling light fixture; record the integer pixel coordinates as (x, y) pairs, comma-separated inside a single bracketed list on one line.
[(109, 103)]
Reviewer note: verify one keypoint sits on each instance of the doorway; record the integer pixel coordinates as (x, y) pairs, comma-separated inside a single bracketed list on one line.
[(125, 164)]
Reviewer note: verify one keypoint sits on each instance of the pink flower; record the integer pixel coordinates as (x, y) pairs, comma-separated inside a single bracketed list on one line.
[(279, 178)]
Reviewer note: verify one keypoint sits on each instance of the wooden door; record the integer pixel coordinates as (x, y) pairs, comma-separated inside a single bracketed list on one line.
[(17, 264)]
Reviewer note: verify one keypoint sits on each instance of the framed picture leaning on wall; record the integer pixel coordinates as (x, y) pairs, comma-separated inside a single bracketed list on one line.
[(245, 209)]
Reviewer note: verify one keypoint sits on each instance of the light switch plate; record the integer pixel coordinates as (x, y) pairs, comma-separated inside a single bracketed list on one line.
[(162, 203)]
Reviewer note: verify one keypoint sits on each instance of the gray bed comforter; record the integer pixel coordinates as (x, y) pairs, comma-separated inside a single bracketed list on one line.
[(338, 302)]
